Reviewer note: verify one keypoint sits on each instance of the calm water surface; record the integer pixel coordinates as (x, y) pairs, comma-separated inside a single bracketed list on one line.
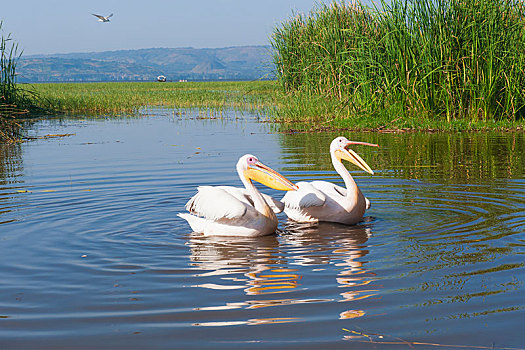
[(93, 255)]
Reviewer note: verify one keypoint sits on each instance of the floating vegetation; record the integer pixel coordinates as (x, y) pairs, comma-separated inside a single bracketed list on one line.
[(212, 98)]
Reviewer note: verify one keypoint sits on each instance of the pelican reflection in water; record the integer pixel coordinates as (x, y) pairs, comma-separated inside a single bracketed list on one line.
[(342, 245), (252, 265), (272, 266)]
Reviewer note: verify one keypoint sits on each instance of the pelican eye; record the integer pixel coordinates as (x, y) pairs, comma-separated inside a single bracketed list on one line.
[(344, 143)]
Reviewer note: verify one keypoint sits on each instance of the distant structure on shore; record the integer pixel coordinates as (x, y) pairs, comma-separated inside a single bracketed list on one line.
[(162, 79)]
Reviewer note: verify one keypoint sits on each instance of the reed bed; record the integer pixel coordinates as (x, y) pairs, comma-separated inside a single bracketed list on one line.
[(404, 62), (118, 98), (8, 90), (15, 101)]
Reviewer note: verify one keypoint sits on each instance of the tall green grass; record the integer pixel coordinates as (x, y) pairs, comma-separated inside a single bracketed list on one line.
[(15, 102), (8, 89), (441, 60)]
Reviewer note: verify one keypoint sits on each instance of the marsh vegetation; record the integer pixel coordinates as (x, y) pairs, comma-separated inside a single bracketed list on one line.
[(8, 89), (405, 63), (117, 98), (15, 101)]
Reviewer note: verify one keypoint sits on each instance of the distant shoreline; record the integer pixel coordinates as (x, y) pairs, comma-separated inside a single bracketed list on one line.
[(239, 63), (142, 81)]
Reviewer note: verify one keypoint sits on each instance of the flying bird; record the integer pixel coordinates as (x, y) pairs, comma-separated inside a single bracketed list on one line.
[(102, 18), (323, 201), (232, 211)]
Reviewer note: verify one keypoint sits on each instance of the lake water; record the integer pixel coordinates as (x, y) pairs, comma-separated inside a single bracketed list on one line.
[(93, 255)]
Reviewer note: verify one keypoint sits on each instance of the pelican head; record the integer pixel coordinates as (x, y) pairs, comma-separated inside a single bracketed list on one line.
[(250, 168), (340, 149)]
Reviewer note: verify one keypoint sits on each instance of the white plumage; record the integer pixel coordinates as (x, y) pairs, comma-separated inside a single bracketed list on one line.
[(102, 18), (323, 201), (231, 211)]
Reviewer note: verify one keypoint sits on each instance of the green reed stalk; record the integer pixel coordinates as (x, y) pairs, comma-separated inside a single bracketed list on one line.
[(8, 128), (439, 59), (13, 100)]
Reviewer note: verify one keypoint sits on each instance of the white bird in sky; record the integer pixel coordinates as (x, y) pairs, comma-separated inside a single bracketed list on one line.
[(232, 211), (323, 201), (102, 18)]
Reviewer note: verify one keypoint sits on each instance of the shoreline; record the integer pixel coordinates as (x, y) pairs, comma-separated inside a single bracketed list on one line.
[(261, 97), (403, 130)]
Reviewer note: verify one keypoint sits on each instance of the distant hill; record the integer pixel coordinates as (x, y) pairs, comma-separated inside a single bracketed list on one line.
[(230, 63)]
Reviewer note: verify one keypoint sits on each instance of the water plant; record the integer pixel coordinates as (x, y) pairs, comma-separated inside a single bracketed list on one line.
[(405, 59), (7, 88), (15, 101)]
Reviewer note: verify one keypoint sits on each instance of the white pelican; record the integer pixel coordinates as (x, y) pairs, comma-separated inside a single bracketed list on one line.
[(102, 18), (323, 201), (231, 211)]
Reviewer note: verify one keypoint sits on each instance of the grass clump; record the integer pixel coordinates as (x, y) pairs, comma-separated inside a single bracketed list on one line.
[(15, 102), (9, 95), (410, 62)]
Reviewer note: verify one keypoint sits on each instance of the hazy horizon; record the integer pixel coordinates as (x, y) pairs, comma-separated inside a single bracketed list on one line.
[(144, 48)]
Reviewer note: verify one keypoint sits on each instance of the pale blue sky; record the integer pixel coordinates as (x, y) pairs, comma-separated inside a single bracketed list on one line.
[(61, 26)]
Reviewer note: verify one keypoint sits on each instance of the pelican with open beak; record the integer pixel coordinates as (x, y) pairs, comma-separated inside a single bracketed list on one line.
[(232, 211), (323, 201)]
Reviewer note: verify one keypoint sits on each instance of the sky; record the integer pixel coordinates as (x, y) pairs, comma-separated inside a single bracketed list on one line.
[(63, 26)]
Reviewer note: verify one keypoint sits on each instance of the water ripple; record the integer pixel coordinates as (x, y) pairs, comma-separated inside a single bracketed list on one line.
[(93, 253)]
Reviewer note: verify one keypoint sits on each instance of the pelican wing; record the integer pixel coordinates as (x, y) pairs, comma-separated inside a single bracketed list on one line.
[(216, 203), (329, 189), (333, 191), (306, 196), (243, 195)]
